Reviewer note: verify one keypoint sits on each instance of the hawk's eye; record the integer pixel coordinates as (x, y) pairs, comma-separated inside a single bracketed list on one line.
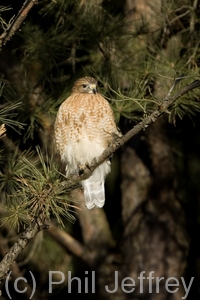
[(84, 85)]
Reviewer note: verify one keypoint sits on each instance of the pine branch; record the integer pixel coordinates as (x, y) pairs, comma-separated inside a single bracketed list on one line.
[(20, 244), (17, 21), (119, 142), (16, 272)]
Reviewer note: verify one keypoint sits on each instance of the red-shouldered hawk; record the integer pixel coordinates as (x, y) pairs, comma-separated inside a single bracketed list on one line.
[(84, 128)]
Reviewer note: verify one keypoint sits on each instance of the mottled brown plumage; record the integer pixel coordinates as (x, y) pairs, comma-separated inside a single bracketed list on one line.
[(84, 128)]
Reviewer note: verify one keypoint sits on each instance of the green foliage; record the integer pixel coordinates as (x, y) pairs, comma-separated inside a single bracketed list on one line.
[(34, 187), (7, 116), (132, 106), (7, 112), (188, 104)]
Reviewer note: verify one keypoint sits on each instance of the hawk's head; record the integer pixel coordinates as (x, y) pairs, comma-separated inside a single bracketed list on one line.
[(85, 85)]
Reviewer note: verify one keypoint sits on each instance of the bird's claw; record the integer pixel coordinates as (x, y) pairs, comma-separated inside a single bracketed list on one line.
[(82, 168)]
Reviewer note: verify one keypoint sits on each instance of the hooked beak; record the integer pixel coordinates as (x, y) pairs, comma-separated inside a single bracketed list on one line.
[(93, 89)]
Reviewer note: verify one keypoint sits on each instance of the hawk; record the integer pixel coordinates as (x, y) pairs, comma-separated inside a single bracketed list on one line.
[(84, 128)]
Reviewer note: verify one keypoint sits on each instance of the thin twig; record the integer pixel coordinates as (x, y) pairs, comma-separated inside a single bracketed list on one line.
[(193, 16), (16, 22), (173, 86)]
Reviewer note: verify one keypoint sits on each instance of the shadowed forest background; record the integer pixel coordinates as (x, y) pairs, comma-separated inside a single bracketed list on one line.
[(136, 49)]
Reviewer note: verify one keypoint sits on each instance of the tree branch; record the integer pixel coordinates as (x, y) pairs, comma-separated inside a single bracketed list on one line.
[(21, 243), (16, 272), (119, 142), (17, 21)]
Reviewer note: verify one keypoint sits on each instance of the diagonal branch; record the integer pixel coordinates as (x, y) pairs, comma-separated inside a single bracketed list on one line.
[(16, 272), (20, 244), (119, 142), (17, 21)]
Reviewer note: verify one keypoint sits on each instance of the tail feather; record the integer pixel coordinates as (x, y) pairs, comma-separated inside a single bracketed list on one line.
[(94, 190)]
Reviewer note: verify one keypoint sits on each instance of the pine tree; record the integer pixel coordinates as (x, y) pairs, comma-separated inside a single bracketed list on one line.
[(145, 57)]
